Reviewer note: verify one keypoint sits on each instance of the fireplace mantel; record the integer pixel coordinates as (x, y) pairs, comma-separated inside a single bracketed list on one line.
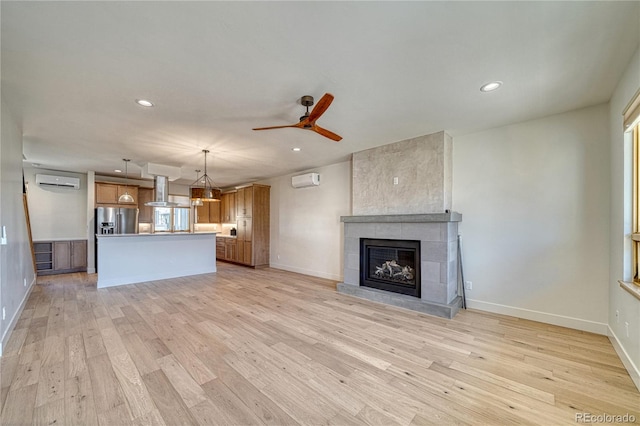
[(437, 233), (404, 218)]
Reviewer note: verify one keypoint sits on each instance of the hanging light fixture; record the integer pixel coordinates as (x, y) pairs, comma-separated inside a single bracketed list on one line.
[(204, 188), (126, 197), (195, 197)]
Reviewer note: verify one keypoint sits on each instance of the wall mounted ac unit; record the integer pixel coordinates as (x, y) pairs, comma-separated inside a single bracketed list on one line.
[(60, 181), (302, 181)]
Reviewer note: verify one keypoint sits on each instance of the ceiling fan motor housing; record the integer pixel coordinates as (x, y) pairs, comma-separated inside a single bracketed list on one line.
[(306, 100)]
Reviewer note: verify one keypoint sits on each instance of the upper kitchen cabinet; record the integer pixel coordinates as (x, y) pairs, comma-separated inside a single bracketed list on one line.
[(208, 212), (108, 193), (214, 212), (228, 208), (244, 202), (145, 195)]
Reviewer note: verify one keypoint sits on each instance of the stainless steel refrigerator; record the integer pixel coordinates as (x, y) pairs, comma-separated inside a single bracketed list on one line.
[(116, 220)]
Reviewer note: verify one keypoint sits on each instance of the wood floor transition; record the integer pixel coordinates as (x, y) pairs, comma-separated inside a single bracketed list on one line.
[(253, 347)]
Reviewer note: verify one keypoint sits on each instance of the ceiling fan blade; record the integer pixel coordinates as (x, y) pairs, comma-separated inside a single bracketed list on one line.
[(276, 127), (326, 133), (320, 107)]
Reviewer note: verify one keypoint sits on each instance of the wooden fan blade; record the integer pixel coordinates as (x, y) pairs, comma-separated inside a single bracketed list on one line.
[(326, 133), (276, 127), (320, 107)]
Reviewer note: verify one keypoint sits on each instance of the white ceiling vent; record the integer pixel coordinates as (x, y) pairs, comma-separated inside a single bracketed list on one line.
[(59, 181), (308, 179)]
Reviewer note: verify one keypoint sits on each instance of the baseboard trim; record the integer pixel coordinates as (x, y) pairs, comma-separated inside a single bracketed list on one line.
[(306, 272), (14, 320), (560, 320), (628, 363)]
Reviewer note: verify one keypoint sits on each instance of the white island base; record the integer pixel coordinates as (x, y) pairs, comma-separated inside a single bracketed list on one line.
[(134, 258)]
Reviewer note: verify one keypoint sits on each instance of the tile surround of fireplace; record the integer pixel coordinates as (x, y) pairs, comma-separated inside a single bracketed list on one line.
[(437, 234)]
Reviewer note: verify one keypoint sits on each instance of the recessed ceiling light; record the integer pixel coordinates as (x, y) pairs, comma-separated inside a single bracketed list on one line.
[(295, 149), (144, 102), (490, 87), (118, 171)]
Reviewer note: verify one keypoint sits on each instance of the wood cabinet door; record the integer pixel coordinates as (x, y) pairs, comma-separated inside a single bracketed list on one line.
[(61, 255), (245, 229), (244, 201), (232, 208), (78, 254), (230, 250), (202, 213), (247, 252), (106, 193), (228, 208), (224, 208), (214, 212), (240, 203), (220, 248), (239, 252), (145, 214)]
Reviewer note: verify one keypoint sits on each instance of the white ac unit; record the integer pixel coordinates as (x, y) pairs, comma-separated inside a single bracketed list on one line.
[(61, 181), (308, 179)]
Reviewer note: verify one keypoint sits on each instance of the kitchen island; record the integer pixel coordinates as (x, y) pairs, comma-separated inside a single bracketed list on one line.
[(134, 258)]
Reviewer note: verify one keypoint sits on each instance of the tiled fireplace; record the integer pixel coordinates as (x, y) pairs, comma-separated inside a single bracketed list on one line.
[(402, 196), (433, 236)]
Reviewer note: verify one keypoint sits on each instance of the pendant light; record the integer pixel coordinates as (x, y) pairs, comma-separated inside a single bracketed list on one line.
[(126, 197), (204, 187), (195, 197)]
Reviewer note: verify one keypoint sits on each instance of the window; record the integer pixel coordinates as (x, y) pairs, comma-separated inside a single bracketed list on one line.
[(171, 219), (632, 124)]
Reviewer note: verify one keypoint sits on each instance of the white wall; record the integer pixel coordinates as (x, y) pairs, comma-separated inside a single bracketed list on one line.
[(16, 267), (534, 198), (306, 232), (620, 259), (57, 213)]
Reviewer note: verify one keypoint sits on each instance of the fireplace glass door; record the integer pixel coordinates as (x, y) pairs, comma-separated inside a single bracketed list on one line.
[(390, 265)]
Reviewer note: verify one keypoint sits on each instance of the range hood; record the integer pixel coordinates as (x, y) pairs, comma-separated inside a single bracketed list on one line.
[(161, 192)]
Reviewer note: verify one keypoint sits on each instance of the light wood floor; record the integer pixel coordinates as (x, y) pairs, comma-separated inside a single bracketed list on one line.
[(252, 347)]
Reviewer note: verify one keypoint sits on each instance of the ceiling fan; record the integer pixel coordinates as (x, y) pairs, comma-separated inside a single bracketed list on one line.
[(308, 120)]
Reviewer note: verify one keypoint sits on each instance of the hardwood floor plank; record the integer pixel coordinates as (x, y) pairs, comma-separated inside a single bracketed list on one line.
[(75, 357), (19, 405), (135, 392), (50, 384), (168, 400), (106, 388), (50, 413), (80, 408), (190, 391), (233, 409)]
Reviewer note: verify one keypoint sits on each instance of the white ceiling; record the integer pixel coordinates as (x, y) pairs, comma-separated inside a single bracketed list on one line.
[(72, 70)]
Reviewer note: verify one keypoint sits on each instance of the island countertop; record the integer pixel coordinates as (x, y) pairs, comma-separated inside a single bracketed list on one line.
[(143, 234), (134, 258)]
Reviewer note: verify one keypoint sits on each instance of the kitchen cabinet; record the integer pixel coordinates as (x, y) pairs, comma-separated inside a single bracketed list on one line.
[(214, 212), (59, 257), (202, 213), (253, 225), (244, 229), (226, 249), (145, 214), (250, 246), (208, 212), (43, 251), (109, 193), (244, 202), (228, 208)]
